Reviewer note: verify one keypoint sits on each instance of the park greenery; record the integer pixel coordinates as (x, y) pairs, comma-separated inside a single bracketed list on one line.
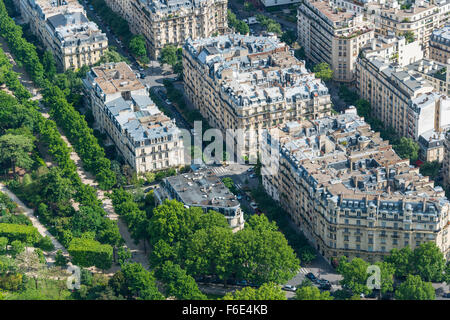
[(203, 244)]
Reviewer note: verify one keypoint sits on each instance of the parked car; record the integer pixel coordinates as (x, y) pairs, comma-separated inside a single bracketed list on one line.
[(250, 169), (324, 284), (253, 205), (311, 277), (239, 197), (446, 295), (253, 176), (168, 102), (143, 75), (242, 283), (288, 287)]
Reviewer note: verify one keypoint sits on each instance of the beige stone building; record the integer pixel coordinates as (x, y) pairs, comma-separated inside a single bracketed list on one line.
[(63, 28), (164, 22), (147, 139), (440, 45), (434, 72), (403, 99), (350, 193), (446, 162), (420, 20), (393, 49), (250, 83), (333, 34)]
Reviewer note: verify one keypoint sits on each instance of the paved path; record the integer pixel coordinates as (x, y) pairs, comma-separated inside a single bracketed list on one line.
[(137, 250), (49, 255)]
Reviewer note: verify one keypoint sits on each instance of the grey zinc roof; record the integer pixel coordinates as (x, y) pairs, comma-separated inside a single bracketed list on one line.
[(67, 19)]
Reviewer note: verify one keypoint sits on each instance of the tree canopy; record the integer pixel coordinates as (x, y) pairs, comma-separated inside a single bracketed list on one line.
[(268, 291)]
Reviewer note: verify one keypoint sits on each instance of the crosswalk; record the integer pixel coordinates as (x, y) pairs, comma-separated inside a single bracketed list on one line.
[(219, 170), (304, 271)]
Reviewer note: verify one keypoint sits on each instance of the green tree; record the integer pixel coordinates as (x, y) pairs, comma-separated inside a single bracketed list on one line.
[(49, 64), (262, 255), (86, 219), (387, 276), (407, 148), (409, 36), (46, 244), (354, 275), (149, 176), (60, 259), (289, 37), (312, 293), (248, 6), (140, 283), (177, 283), (268, 291), (428, 262), (16, 247), (15, 151), (137, 46), (56, 189), (274, 27), (363, 108), (172, 222), (168, 55), (3, 244), (415, 289), (401, 260), (239, 25), (124, 255), (430, 169), (208, 252), (323, 71)]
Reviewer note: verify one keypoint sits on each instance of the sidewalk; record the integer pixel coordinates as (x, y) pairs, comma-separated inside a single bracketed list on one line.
[(49, 255)]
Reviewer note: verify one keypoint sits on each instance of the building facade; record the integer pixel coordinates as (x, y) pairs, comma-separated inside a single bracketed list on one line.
[(333, 34), (250, 83), (350, 193), (202, 188), (446, 162), (393, 49), (402, 99), (440, 45), (164, 22), (146, 138), (63, 28)]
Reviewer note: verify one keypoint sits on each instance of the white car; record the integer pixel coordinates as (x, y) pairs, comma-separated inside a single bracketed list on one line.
[(288, 287), (253, 205), (168, 102)]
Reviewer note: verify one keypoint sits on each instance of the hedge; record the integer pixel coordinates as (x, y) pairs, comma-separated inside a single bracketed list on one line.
[(27, 234), (88, 253)]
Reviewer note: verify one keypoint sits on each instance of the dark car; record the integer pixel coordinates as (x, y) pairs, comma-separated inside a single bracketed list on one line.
[(446, 295), (242, 283), (311, 277)]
